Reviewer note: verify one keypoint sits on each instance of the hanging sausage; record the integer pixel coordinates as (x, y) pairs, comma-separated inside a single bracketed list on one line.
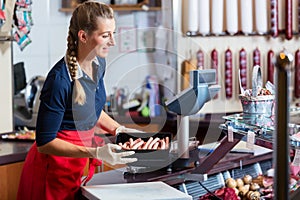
[(288, 19), (200, 59), (256, 57), (231, 16), (261, 19), (189, 11), (228, 74), (204, 17), (274, 18), (270, 66), (298, 8), (217, 17), (214, 65), (297, 74), (243, 68), (246, 16)]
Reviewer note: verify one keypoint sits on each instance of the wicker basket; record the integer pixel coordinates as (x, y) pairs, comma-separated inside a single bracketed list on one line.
[(257, 105)]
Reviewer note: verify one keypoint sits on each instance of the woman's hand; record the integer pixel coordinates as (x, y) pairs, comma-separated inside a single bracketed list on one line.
[(107, 153), (123, 129)]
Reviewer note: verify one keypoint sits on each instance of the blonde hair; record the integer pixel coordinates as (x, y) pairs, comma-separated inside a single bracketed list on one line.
[(84, 18)]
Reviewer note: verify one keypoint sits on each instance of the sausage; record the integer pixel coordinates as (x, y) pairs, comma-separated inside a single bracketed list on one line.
[(214, 64), (298, 9), (131, 142), (200, 59), (147, 143), (243, 67), (270, 66), (153, 142), (228, 73), (163, 144), (167, 142), (288, 19), (274, 18), (138, 144), (155, 146), (297, 74), (256, 57)]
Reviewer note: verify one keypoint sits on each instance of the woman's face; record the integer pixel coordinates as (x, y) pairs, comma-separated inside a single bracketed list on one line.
[(99, 41)]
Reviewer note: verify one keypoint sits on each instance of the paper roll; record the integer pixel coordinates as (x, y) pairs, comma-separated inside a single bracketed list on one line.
[(204, 14), (217, 17), (189, 16), (246, 16), (231, 16), (261, 19)]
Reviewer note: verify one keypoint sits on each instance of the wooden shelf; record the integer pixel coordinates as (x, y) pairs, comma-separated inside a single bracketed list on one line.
[(119, 8)]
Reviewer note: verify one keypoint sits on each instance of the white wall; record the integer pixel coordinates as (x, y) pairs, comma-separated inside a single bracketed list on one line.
[(49, 34)]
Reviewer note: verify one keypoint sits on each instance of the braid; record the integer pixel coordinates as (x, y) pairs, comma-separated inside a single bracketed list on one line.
[(78, 94), (84, 18)]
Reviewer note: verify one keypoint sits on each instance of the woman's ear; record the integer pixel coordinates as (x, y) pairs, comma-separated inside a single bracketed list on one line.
[(82, 36)]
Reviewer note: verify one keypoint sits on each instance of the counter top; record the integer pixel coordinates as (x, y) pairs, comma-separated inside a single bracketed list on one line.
[(13, 151)]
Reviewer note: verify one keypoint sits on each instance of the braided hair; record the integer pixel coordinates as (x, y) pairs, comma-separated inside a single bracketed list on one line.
[(84, 18)]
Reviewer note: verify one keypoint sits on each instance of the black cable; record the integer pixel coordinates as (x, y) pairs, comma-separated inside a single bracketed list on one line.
[(215, 196)]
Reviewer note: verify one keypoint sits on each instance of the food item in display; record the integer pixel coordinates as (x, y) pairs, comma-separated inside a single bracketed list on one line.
[(274, 18), (270, 66), (217, 17), (214, 64), (246, 16), (243, 67), (288, 19), (256, 57), (200, 59), (247, 179), (231, 183), (228, 74), (231, 16), (20, 135), (261, 19), (204, 17), (297, 74), (150, 144)]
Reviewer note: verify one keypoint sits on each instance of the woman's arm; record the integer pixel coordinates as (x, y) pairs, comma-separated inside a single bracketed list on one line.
[(60, 147), (106, 123)]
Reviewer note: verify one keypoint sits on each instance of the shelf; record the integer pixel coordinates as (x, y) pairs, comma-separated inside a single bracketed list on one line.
[(119, 8)]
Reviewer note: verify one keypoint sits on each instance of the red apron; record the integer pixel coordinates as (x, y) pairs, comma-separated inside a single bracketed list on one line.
[(49, 177)]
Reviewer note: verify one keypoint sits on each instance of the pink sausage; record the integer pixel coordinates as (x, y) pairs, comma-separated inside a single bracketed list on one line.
[(274, 18), (270, 66), (288, 19), (214, 64), (256, 57), (228, 73), (243, 67)]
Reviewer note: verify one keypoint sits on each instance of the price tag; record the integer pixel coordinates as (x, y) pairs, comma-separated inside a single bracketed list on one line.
[(230, 134), (250, 140), (296, 161)]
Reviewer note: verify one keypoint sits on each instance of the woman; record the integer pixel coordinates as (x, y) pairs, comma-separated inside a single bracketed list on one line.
[(71, 106)]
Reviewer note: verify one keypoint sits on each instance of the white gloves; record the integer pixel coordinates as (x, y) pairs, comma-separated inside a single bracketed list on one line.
[(107, 153), (123, 129)]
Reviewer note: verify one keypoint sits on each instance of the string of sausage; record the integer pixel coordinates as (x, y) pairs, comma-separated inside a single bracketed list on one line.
[(228, 73), (270, 66), (274, 18), (288, 19), (256, 57), (297, 74), (243, 67), (214, 64), (200, 59)]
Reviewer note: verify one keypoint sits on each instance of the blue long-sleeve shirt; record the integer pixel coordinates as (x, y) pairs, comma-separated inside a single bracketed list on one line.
[(57, 110)]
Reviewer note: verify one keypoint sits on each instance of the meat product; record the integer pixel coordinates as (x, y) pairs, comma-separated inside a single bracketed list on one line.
[(274, 18), (246, 16), (204, 17), (147, 143), (138, 144), (200, 59), (256, 57), (298, 8), (228, 73), (261, 18), (167, 142), (152, 143), (288, 19), (243, 67), (217, 17), (270, 66), (297, 74), (214, 64), (231, 16)]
